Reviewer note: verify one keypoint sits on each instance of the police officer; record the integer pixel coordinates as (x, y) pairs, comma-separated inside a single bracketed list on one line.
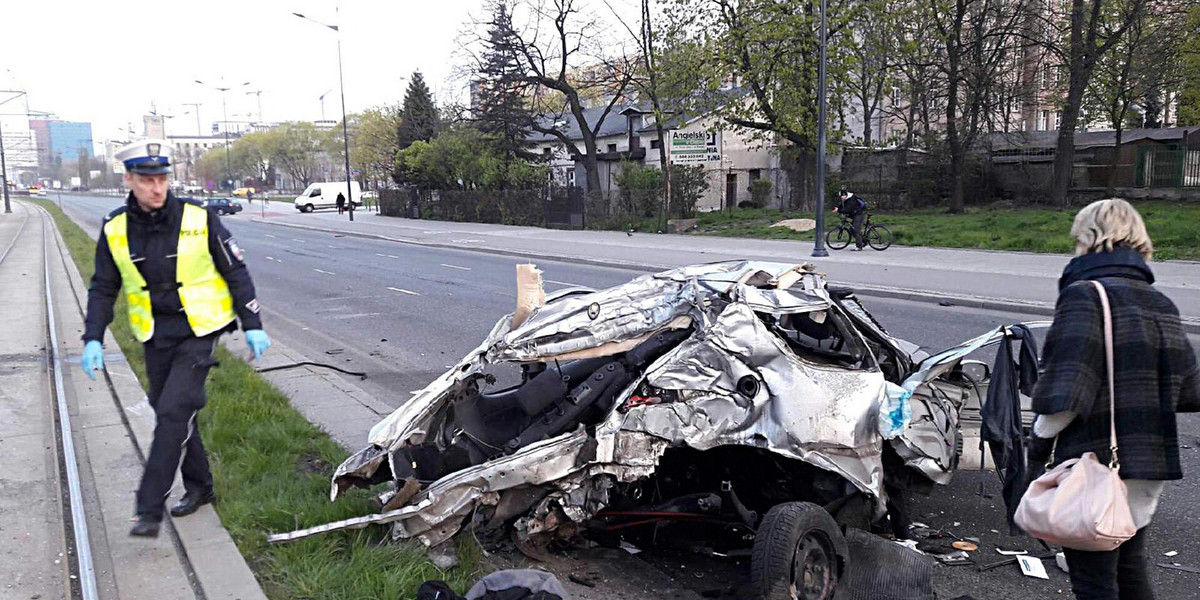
[(182, 275)]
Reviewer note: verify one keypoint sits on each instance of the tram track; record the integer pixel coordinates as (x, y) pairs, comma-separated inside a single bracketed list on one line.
[(75, 484)]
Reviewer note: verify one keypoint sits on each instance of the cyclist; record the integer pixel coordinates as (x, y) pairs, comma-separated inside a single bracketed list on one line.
[(853, 207)]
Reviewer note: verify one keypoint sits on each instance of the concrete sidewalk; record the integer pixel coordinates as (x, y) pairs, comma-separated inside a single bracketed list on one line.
[(1017, 281), (112, 425)]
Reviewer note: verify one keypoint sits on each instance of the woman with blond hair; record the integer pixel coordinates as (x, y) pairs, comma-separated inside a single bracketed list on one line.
[(1155, 376)]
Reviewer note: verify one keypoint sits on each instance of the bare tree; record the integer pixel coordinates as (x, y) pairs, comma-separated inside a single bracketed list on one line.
[(649, 83), (920, 95), (1140, 69), (977, 37), (871, 42), (1077, 40), (563, 65)]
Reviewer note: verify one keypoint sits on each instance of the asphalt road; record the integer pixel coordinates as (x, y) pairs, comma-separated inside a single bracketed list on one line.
[(404, 313)]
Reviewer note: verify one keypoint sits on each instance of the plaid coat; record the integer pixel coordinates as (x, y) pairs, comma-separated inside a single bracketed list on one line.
[(1155, 367)]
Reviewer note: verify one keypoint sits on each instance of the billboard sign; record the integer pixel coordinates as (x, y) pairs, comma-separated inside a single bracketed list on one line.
[(694, 147)]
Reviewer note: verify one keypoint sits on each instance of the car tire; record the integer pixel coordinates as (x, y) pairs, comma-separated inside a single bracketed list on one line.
[(308, 208), (799, 554)]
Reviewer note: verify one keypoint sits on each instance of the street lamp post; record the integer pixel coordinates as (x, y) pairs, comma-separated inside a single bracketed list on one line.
[(258, 94), (3, 163), (345, 129), (819, 242), (4, 173), (225, 128), (196, 106)]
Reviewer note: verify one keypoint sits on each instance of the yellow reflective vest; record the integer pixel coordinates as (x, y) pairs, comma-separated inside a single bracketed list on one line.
[(202, 291)]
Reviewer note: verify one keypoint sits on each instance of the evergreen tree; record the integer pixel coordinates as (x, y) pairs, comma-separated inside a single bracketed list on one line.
[(501, 112), (419, 120)]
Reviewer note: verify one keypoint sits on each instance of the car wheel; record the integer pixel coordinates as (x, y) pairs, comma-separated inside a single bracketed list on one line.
[(308, 208), (799, 554)]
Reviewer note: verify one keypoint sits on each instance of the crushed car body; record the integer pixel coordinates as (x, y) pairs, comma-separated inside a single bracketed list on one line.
[(708, 392)]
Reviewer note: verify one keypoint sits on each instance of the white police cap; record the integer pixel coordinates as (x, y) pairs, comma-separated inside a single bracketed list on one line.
[(146, 157)]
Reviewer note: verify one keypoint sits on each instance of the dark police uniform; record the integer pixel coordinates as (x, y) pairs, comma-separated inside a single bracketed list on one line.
[(177, 359)]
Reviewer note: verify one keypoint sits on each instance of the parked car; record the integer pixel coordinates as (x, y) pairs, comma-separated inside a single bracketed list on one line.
[(222, 206), (748, 397), (244, 192)]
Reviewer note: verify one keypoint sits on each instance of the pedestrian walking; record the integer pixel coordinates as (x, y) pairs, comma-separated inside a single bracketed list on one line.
[(1155, 376), (341, 203), (183, 277), (855, 207)]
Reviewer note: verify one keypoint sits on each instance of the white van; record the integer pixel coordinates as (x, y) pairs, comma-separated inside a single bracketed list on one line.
[(323, 194)]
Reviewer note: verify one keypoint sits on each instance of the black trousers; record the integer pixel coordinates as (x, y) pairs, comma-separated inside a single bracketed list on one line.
[(1119, 574), (177, 373), (858, 229)]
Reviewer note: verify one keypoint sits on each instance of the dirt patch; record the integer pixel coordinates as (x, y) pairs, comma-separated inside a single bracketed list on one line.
[(313, 464), (797, 224)]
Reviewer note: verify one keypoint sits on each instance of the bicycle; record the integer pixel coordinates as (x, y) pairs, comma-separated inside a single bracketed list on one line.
[(875, 235)]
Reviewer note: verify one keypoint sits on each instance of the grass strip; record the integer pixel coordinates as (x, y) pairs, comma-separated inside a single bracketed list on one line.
[(1172, 226), (271, 469)]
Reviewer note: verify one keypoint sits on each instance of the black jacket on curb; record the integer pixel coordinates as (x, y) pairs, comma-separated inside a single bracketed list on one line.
[(1155, 367), (154, 236)]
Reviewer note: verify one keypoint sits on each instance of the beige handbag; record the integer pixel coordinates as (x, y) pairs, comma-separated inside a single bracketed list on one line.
[(1082, 504)]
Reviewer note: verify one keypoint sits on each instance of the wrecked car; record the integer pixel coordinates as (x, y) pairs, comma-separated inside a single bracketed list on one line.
[(750, 395)]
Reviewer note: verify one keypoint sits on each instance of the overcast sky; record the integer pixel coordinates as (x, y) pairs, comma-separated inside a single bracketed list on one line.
[(105, 61)]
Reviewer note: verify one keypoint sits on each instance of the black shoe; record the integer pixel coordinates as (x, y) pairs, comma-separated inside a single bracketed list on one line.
[(145, 526), (191, 502)]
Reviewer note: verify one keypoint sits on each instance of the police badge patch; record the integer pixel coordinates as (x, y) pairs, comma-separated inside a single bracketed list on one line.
[(253, 306), (236, 250)]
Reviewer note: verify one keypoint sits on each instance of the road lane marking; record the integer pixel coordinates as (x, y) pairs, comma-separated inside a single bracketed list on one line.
[(270, 258), (297, 240), (355, 316), (402, 291), (386, 255), (456, 267), (466, 241), (563, 283), (268, 235), (325, 272)]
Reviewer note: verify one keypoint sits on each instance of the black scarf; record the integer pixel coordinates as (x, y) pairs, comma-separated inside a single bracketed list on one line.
[(1122, 261)]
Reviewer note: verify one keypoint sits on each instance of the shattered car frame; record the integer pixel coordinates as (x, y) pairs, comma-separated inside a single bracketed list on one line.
[(714, 391)]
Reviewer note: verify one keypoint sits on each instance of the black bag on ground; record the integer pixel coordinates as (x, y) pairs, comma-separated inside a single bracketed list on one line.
[(436, 590), (515, 584)]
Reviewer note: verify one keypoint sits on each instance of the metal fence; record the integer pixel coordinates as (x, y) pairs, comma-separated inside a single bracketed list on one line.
[(558, 207), (1174, 165)]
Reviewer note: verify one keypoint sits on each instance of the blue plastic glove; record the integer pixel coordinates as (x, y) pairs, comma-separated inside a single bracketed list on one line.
[(258, 342), (93, 358)]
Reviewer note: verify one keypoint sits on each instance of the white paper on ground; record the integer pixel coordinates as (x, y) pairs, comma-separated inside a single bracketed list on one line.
[(1032, 567)]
